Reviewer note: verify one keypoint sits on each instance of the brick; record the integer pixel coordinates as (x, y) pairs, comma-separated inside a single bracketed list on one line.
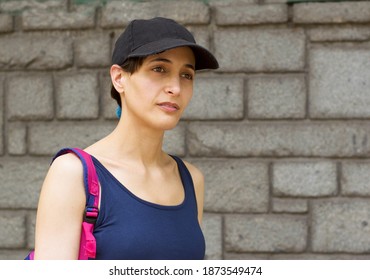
[(345, 94), (321, 257), (300, 256), (31, 223), (275, 1), (12, 230), (93, 51), (247, 256), (22, 5), (235, 185), (265, 233), (1, 116), (251, 14), (120, 13), (30, 97), (276, 97), (341, 226), (339, 33), (341, 12), (307, 179), (77, 96), (260, 49), (6, 23), (212, 230), (36, 19), (35, 52), (13, 254), (17, 138), (216, 98), (355, 179), (287, 205), (217, 3), (174, 140), (77, 3), (48, 138), (278, 139), (21, 181)]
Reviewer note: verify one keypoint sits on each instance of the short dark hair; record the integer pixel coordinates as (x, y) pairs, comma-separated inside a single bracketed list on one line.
[(131, 65)]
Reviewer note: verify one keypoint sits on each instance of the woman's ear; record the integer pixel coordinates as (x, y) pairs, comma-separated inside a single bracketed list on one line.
[(117, 77)]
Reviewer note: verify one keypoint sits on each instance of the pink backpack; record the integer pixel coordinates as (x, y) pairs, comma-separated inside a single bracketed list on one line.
[(91, 182)]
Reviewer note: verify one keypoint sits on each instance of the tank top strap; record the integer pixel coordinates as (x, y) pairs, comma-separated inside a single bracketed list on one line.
[(185, 175)]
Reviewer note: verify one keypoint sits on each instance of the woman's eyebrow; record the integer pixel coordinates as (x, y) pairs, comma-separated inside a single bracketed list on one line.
[(161, 59)]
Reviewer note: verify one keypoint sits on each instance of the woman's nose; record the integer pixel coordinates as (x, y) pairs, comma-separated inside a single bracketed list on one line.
[(173, 87)]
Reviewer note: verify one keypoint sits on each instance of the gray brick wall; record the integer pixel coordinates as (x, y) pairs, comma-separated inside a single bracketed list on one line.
[(281, 131)]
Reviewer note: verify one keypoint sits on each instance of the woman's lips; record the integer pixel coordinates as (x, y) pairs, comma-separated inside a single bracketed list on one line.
[(169, 106)]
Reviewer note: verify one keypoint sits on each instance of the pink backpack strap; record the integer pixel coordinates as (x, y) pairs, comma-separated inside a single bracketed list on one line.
[(91, 182)]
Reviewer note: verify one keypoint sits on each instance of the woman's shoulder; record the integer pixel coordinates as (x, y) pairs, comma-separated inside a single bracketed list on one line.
[(65, 175), (67, 166)]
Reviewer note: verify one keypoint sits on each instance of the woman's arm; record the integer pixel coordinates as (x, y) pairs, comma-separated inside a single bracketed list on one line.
[(60, 210), (198, 180)]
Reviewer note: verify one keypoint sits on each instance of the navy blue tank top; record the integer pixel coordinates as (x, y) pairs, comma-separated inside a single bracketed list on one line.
[(130, 228)]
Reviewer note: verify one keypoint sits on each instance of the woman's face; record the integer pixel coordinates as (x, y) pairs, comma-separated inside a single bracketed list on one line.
[(157, 94)]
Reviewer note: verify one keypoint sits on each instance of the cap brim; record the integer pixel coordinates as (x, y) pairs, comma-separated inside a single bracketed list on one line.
[(204, 59)]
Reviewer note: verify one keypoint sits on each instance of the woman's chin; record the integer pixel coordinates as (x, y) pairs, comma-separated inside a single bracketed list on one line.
[(168, 124)]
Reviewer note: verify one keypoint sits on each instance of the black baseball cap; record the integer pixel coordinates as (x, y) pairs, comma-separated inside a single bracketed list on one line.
[(147, 37)]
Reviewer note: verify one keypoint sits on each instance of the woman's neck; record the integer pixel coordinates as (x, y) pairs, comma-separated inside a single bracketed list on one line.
[(132, 142)]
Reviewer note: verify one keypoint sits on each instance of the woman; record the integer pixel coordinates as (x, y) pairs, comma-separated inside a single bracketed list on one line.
[(151, 203)]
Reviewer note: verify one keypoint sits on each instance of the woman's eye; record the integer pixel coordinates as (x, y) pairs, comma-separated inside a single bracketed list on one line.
[(159, 69), (187, 76)]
